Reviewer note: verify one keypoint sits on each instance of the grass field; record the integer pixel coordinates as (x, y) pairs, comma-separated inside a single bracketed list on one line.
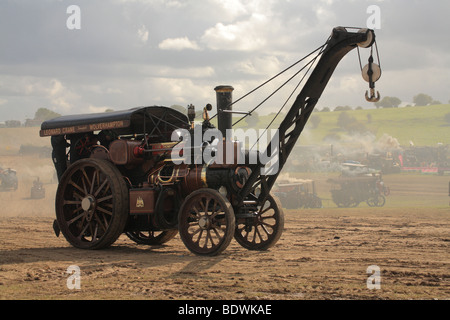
[(424, 126)]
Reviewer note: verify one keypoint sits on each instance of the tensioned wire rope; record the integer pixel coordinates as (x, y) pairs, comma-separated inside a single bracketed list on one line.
[(307, 66)]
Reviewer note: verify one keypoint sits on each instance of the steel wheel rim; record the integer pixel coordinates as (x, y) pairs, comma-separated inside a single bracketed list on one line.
[(87, 205), (264, 229), (381, 200), (206, 224)]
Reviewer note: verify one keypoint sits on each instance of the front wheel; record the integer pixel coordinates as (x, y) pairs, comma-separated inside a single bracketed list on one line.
[(206, 222), (264, 228)]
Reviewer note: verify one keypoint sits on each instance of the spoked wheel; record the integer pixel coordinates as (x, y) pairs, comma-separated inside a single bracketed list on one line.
[(92, 204), (152, 238), (264, 228), (345, 201), (381, 201), (376, 201), (317, 202), (206, 222)]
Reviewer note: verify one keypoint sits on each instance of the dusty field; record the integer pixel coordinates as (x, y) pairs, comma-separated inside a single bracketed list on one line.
[(323, 253)]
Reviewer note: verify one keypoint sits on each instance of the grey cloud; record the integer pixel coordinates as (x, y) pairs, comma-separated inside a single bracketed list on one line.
[(107, 63)]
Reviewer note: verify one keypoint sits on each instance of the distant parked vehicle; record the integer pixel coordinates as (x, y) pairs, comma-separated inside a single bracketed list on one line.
[(8, 180), (358, 185), (298, 194), (38, 190)]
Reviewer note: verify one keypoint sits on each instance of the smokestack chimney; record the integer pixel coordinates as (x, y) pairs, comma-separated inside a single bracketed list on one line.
[(224, 100)]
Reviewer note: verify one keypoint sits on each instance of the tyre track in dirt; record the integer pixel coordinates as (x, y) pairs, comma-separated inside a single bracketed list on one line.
[(322, 254), (309, 262)]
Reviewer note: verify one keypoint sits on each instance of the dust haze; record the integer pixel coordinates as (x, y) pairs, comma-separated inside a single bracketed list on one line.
[(323, 253)]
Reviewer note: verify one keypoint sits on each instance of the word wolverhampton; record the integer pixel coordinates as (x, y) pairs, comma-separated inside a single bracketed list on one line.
[(227, 309)]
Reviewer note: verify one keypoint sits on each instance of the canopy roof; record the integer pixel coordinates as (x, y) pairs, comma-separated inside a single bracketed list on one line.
[(153, 120)]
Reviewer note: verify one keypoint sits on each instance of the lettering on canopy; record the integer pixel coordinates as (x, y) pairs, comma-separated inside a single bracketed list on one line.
[(85, 128)]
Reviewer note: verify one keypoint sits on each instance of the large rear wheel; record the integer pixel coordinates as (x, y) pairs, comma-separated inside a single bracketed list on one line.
[(92, 204)]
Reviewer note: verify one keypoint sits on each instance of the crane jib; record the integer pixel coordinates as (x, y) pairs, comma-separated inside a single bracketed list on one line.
[(338, 45)]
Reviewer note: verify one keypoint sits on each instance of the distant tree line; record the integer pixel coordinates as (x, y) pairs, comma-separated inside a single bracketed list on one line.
[(41, 115), (420, 99), (388, 102), (44, 114)]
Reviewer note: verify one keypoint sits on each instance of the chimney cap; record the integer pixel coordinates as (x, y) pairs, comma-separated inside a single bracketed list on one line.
[(223, 88)]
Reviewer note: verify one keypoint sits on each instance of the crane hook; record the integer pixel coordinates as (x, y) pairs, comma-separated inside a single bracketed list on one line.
[(372, 97), (372, 73)]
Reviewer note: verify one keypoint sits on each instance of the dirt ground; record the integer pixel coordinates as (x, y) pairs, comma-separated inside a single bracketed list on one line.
[(323, 253)]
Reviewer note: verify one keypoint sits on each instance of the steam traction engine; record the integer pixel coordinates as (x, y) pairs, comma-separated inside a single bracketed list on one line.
[(117, 175)]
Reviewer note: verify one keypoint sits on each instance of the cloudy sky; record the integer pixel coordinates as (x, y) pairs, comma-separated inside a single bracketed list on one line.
[(131, 53)]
